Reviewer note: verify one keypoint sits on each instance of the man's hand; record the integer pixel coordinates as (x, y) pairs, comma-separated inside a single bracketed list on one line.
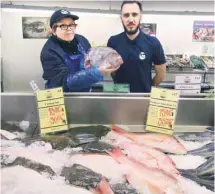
[(160, 71)]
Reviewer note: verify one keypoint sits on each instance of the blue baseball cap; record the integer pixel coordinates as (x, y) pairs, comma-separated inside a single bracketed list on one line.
[(60, 14)]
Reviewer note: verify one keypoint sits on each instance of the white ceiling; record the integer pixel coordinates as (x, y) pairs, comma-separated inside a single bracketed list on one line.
[(153, 5)]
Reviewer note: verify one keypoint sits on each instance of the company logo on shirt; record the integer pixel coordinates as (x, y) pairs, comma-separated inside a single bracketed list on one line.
[(142, 56), (64, 12)]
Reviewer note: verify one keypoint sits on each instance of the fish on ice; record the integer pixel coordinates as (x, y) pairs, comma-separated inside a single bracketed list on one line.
[(140, 176), (163, 142), (196, 136), (20, 180), (101, 164), (205, 170), (206, 151), (150, 157), (27, 163), (190, 174)]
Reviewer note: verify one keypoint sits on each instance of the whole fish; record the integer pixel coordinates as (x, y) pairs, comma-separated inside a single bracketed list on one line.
[(98, 163), (101, 56), (141, 177), (73, 137), (82, 176), (20, 180), (33, 158), (196, 136), (27, 163), (205, 171), (163, 142), (209, 184), (150, 157), (206, 151)]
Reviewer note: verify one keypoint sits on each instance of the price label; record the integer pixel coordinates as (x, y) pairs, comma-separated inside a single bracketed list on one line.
[(188, 79), (116, 88), (162, 110), (52, 112), (188, 84)]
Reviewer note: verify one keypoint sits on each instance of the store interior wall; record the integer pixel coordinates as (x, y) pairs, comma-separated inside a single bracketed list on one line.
[(21, 57)]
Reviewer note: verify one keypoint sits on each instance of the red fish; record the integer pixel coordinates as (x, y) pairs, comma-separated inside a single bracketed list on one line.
[(150, 157), (101, 56), (163, 142), (142, 177), (103, 188)]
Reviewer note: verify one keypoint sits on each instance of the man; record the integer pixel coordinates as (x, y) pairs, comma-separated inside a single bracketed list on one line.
[(63, 56), (138, 51)]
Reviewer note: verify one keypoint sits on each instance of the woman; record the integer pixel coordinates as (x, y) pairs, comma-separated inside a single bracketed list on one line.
[(63, 56)]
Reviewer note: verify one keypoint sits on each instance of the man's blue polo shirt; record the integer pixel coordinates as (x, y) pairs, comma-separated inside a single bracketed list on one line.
[(138, 56)]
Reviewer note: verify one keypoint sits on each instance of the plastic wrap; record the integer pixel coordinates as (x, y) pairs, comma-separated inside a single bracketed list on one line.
[(101, 56), (83, 79)]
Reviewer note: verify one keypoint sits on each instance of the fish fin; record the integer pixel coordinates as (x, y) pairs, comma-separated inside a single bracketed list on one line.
[(103, 187), (115, 152)]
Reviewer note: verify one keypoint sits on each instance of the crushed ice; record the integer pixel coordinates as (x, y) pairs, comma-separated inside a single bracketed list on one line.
[(42, 152)]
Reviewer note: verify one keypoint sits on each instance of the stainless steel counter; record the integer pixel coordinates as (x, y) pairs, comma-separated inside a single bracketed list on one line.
[(129, 110)]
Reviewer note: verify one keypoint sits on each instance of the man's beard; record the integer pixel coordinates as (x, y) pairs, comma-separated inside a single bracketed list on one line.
[(131, 32)]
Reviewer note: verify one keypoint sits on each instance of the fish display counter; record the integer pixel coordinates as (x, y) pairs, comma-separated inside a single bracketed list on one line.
[(207, 80), (107, 149)]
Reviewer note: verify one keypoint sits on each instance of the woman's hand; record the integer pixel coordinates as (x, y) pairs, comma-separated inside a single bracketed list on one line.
[(107, 69)]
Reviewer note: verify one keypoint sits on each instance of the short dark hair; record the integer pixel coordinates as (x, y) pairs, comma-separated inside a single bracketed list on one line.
[(130, 2)]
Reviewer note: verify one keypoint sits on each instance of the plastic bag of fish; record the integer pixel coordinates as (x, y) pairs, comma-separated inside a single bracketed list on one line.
[(103, 56)]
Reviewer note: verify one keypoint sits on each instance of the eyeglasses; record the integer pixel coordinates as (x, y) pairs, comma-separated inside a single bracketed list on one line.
[(66, 27)]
